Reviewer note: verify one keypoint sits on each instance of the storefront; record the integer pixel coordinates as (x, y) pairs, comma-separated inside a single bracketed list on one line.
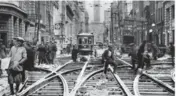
[(12, 22)]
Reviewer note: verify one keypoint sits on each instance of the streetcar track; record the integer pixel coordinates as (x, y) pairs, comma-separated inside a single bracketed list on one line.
[(137, 87), (75, 75), (152, 88), (42, 79)]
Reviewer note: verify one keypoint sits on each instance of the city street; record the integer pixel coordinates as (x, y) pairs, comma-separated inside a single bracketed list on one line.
[(87, 48)]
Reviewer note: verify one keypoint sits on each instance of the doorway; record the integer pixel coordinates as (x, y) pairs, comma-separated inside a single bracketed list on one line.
[(3, 36)]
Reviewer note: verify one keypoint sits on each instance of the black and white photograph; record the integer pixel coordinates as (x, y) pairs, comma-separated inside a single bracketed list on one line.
[(87, 48)]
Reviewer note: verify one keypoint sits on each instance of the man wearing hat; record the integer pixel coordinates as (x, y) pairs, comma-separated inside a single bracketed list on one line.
[(2, 53), (18, 57), (108, 58)]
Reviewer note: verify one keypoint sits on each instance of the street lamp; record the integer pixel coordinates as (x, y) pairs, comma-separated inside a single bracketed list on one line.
[(153, 24), (150, 31)]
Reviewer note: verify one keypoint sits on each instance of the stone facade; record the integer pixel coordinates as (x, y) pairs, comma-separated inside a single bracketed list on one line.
[(14, 17), (169, 18)]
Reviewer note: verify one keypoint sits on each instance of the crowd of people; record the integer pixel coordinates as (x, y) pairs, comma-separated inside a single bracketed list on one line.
[(47, 52), (139, 55), (23, 55)]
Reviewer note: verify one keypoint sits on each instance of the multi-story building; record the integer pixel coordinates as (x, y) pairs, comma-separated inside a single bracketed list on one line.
[(138, 14), (96, 27), (72, 21), (118, 15), (107, 22), (169, 17), (13, 21), (40, 14), (97, 11), (159, 21)]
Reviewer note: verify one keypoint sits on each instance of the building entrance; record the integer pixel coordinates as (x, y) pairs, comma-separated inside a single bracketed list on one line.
[(3, 36)]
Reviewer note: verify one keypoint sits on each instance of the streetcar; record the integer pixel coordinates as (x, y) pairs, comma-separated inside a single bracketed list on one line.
[(85, 42)]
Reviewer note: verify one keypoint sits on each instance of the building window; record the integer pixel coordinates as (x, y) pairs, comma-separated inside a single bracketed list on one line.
[(173, 11), (167, 15)]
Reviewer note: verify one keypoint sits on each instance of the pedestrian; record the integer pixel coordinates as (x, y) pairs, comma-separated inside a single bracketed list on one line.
[(52, 52), (155, 51), (108, 58), (133, 54), (74, 53), (18, 57), (29, 63), (68, 49), (42, 51), (47, 52), (140, 55), (3, 53), (172, 52)]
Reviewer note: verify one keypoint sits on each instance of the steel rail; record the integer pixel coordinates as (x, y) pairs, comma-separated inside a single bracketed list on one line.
[(83, 69), (43, 79), (152, 78), (121, 83), (44, 83), (78, 84), (67, 71), (135, 85), (66, 89), (25, 82), (168, 87), (163, 63)]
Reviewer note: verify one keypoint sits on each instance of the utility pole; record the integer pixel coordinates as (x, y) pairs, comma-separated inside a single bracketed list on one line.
[(111, 35), (38, 17)]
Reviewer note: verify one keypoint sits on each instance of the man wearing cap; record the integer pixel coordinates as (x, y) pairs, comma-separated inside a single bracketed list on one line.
[(2, 53), (108, 58), (18, 57)]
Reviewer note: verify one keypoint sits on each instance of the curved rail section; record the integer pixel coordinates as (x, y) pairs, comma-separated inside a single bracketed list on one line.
[(135, 85), (78, 85), (42, 85), (149, 86), (38, 82), (160, 82)]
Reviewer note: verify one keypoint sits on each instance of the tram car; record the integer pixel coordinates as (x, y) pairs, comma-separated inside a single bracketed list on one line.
[(85, 42)]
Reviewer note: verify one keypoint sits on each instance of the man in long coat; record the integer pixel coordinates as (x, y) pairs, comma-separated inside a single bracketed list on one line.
[(74, 53), (140, 55), (18, 57)]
